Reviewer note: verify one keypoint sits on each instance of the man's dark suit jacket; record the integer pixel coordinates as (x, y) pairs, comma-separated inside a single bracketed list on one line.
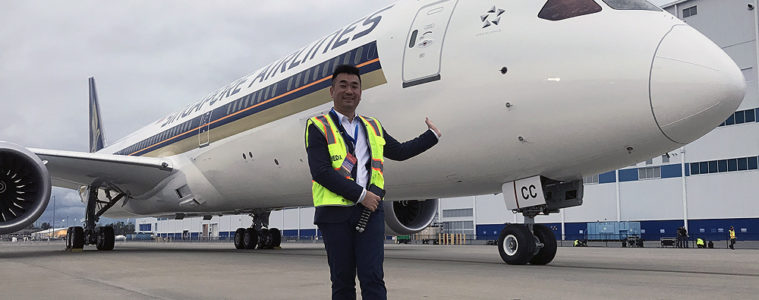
[(323, 173)]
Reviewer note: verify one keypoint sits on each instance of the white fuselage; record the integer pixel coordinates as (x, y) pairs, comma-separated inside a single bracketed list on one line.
[(520, 98)]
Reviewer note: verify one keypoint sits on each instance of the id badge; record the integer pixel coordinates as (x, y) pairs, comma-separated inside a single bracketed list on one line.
[(349, 162)]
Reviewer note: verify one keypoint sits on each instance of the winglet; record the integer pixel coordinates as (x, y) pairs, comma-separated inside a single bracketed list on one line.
[(97, 136)]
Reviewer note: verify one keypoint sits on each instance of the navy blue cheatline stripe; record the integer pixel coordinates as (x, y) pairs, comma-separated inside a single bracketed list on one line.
[(294, 87)]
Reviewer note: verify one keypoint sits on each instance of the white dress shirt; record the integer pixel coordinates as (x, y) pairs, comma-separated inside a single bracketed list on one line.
[(361, 147)]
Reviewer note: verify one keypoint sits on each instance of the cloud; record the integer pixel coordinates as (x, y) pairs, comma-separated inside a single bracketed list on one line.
[(149, 58)]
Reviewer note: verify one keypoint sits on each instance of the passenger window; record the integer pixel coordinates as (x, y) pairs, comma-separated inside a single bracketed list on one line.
[(347, 58), (556, 10), (357, 58), (632, 5), (325, 69)]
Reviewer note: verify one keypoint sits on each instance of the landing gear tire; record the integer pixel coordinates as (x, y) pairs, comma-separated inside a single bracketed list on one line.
[(264, 241), (239, 237), (516, 244), (77, 237), (68, 238), (105, 238), (276, 237), (250, 238), (546, 254)]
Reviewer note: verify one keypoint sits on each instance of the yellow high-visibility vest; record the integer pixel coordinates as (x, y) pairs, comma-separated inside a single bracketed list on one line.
[(732, 234), (338, 152)]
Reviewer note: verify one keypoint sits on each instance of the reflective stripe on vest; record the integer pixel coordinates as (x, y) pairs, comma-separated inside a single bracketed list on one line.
[(328, 132), (378, 165), (377, 147), (372, 123), (338, 151)]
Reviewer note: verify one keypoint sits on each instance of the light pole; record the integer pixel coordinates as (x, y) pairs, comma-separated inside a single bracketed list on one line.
[(298, 239), (756, 30), (52, 225), (685, 188)]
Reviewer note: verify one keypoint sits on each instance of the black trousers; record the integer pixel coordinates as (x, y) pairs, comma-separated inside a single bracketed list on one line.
[(732, 243), (350, 253)]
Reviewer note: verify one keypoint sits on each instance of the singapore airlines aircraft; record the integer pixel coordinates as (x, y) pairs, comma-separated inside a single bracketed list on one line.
[(531, 95)]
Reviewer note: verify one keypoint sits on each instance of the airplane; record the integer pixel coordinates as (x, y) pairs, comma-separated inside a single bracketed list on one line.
[(530, 96)]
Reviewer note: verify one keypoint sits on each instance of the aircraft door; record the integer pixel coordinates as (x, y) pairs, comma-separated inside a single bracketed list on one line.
[(204, 130), (424, 44)]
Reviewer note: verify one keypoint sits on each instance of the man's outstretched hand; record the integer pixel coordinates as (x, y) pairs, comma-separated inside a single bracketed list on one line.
[(432, 127)]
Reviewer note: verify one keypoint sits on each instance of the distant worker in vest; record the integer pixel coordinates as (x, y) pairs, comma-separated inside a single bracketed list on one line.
[(700, 243), (732, 237), (346, 154)]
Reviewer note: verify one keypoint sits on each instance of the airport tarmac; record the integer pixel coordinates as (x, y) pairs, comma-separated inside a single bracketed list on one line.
[(148, 270)]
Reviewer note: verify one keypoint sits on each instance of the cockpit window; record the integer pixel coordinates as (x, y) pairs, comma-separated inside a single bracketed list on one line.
[(632, 5), (556, 10)]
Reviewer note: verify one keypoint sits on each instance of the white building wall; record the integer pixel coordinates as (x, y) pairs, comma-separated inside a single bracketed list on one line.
[(490, 209), (727, 195), (599, 203), (725, 142), (654, 199)]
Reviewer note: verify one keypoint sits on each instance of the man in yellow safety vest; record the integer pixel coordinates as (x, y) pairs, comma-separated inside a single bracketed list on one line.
[(346, 155)]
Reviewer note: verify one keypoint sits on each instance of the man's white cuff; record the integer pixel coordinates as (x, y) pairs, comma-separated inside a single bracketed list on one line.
[(363, 194), (437, 136)]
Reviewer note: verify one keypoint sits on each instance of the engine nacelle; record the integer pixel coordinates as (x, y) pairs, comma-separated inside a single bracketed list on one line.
[(24, 187), (409, 216)]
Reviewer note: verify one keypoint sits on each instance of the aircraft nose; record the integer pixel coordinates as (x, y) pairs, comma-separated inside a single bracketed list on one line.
[(694, 85)]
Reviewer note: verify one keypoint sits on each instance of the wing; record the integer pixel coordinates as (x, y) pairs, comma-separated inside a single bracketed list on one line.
[(132, 175)]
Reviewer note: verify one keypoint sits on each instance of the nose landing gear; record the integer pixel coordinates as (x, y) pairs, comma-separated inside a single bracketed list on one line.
[(532, 243), (518, 244)]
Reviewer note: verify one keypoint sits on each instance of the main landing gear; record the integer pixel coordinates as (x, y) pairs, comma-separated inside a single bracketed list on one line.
[(258, 235), (102, 237)]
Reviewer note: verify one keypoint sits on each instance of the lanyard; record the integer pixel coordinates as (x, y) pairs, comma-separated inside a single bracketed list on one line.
[(355, 135), (352, 139)]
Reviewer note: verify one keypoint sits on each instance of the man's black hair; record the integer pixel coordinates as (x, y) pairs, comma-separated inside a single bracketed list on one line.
[(346, 69)]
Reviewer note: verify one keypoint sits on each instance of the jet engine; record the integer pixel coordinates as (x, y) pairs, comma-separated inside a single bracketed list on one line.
[(409, 216), (24, 187)]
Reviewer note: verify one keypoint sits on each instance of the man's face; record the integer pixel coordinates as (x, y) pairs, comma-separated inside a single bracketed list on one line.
[(346, 92)]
